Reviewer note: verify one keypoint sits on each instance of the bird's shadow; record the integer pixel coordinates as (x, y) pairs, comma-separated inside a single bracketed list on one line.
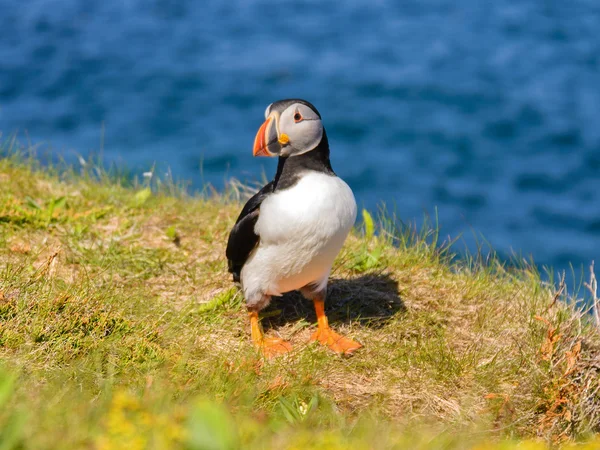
[(370, 299)]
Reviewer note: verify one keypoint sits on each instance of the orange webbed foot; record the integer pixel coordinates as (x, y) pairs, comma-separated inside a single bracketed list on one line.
[(273, 347), (336, 342), (270, 347), (326, 336)]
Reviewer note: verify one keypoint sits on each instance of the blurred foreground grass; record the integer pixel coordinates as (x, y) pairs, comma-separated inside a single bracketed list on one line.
[(120, 328)]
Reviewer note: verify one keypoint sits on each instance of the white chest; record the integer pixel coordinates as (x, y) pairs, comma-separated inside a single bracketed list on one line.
[(318, 207), (301, 230)]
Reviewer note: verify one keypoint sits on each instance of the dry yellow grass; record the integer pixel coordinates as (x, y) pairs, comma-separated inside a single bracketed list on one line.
[(120, 323)]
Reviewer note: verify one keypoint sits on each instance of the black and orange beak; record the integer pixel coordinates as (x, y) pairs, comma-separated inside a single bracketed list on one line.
[(266, 140)]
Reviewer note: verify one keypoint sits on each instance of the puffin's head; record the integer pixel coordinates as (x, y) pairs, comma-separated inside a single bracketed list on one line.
[(292, 127)]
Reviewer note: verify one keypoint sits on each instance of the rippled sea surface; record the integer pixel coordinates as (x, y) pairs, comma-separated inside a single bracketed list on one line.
[(487, 111)]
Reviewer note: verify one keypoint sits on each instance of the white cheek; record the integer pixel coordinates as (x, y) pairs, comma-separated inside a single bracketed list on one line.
[(306, 136)]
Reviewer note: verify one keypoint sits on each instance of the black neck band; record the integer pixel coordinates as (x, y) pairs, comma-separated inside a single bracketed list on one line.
[(290, 168)]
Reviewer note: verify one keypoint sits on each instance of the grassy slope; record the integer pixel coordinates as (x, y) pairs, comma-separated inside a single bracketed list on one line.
[(120, 328)]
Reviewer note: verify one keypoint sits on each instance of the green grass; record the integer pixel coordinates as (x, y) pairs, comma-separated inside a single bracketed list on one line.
[(120, 328)]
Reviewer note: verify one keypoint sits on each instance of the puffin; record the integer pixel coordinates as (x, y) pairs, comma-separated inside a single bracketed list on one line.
[(289, 233)]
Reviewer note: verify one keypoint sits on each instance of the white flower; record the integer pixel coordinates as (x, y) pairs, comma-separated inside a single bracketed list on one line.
[(302, 408)]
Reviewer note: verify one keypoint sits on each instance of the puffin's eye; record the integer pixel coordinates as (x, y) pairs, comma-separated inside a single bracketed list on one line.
[(297, 117)]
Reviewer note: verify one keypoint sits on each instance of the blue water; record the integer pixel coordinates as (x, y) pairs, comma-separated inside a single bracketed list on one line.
[(488, 111)]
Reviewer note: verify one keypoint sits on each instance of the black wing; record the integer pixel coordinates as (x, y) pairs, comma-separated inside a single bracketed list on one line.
[(242, 238)]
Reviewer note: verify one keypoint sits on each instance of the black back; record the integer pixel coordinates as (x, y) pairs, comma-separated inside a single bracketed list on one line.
[(242, 238)]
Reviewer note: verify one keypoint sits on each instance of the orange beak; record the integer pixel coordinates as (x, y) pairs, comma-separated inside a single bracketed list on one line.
[(261, 146)]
